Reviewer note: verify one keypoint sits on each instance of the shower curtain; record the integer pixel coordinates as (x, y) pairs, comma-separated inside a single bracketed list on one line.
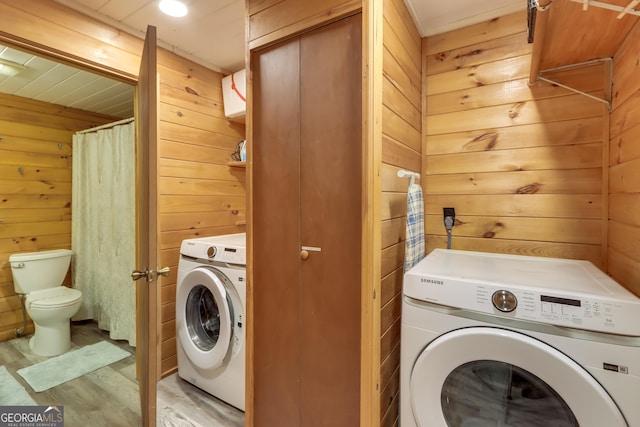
[(103, 228)]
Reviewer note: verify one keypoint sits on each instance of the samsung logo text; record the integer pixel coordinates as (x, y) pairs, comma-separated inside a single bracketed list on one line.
[(431, 281)]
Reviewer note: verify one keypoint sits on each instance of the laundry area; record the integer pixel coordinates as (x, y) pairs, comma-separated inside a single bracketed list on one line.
[(349, 213)]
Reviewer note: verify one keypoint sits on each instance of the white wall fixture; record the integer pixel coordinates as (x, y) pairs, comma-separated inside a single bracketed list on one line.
[(234, 90), (10, 68)]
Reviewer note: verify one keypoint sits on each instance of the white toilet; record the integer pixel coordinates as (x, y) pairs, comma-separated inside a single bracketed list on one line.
[(39, 276)]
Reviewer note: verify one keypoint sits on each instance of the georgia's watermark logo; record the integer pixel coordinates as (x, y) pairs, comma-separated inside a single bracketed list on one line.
[(31, 416)]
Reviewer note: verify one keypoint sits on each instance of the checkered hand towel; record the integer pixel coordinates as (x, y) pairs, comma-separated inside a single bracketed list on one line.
[(414, 243)]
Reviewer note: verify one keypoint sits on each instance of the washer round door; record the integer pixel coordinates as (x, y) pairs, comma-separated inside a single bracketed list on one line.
[(483, 376), (205, 317)]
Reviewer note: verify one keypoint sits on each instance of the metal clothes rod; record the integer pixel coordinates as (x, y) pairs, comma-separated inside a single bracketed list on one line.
[(628, 8), (407, 174), (108, 125), (622, 10), (577, 64), (576, 91)]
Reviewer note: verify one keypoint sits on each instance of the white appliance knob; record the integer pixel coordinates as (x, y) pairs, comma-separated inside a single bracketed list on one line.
[(211, 252), (504, 301)]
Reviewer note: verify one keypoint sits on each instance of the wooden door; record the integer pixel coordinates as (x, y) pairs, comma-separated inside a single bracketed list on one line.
[(276, 235), (307, 195), (147, 228), (330, 220)]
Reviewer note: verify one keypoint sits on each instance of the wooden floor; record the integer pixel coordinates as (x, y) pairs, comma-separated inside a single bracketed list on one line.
[(109, 396), (181, 404)]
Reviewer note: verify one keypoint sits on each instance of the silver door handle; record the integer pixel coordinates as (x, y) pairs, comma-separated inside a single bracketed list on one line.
[(137, 274)]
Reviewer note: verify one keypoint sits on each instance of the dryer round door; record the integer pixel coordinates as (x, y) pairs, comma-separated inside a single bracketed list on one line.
[(484, 376), (204, 322)]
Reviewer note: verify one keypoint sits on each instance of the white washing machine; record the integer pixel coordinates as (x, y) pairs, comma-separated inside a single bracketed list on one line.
[(210, 315), (508, 340)]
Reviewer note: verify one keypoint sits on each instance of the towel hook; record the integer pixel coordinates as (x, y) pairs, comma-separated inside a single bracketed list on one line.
[(408, 174)]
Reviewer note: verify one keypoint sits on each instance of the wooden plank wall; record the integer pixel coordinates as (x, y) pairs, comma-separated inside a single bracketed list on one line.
[(273, 20), (35, 187), (624, 170), (199, 194), (401, 149), (521, 165)]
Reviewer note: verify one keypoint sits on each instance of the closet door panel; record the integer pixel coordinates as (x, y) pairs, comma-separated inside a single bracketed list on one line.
[(330, 217), (276, 203)]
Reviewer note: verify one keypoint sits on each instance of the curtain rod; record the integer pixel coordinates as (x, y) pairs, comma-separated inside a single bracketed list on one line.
[(106, 126)]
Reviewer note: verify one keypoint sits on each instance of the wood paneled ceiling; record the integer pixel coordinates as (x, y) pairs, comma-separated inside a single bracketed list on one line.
[(574, 35), (49, 81)]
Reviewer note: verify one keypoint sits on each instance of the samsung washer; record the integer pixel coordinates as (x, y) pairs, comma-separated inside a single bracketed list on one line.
[(210, 315), (508, 340)]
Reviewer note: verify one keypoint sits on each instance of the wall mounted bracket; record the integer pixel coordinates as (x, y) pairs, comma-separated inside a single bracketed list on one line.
[(588, 95)]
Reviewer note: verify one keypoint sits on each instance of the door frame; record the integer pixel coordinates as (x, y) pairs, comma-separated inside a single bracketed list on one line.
[(147, 347), (371, 234)]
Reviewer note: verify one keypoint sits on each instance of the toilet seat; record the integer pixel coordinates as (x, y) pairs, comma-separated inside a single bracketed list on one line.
[(53, 298)]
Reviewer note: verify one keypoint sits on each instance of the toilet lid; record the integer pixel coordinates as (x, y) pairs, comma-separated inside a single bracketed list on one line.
[(54, 297)]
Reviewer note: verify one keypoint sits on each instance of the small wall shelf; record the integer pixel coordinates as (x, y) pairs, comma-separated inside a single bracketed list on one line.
[(236, 164)]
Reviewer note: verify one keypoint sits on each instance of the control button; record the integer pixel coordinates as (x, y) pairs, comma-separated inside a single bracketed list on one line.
[(504, 301), (211, 252)]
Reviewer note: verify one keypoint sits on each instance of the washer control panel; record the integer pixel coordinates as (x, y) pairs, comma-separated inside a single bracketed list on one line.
[(230, 249), (582, 313), (561, 292), (229, 254)]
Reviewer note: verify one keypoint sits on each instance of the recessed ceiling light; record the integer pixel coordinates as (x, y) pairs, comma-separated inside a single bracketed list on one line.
[(173, 8), (10, 68)]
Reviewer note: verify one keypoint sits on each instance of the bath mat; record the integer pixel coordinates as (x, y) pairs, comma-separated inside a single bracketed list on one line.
[(12, 393), (71, 365)]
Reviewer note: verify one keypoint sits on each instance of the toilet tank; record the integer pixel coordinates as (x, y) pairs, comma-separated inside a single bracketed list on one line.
[(34, 271)]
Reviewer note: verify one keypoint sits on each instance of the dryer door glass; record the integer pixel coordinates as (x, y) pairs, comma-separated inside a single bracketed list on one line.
[(487, 392), (203, 318), (205, 325), (484, 376)]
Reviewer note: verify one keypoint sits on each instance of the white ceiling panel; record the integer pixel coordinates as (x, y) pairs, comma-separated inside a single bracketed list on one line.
[(121, 9), (45, 81), (211, 34), (55, 83), (65, 92), (437, 16)]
